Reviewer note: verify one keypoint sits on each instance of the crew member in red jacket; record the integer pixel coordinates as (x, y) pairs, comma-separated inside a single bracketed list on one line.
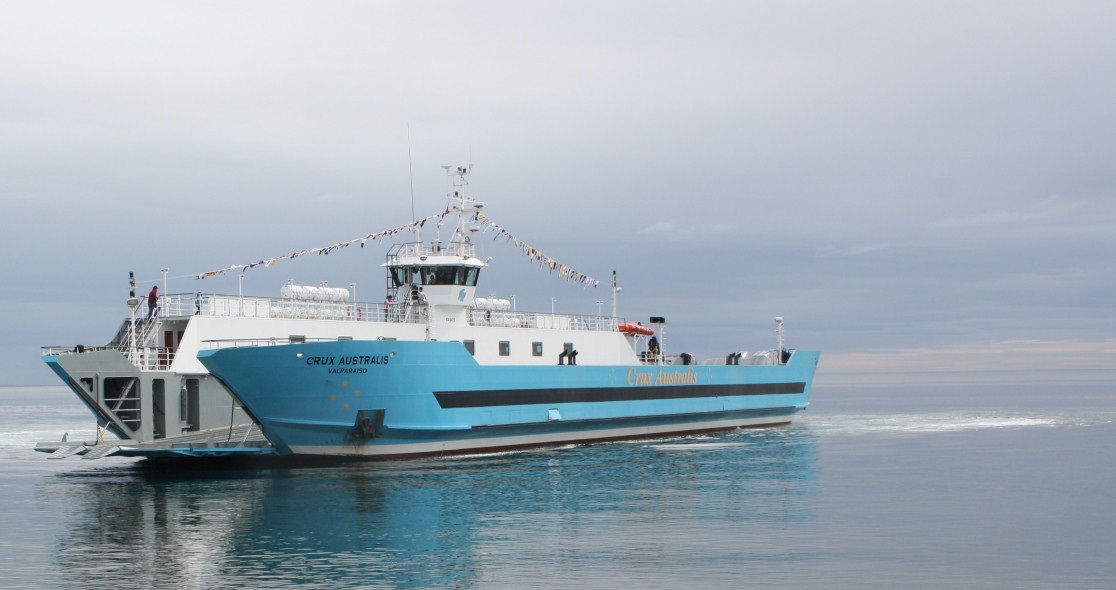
[(152, 301)]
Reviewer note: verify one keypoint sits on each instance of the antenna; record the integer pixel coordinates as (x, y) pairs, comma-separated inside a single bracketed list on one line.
[(411, 171), (458, 183)]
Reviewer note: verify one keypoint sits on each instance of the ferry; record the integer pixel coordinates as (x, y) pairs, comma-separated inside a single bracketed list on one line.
[(434, 369)]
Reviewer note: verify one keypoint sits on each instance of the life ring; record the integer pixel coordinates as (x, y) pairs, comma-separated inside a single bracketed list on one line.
[(635, 328), (359, 313)]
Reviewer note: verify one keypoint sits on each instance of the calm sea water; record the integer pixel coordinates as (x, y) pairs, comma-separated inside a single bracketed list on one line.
[(981, 480)]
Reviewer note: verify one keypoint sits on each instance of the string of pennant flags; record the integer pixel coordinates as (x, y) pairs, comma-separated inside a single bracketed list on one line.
[(325, 250), (529, 251), (544, 261)]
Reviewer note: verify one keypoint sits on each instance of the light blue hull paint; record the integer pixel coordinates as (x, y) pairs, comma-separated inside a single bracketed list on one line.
[(307, 400)]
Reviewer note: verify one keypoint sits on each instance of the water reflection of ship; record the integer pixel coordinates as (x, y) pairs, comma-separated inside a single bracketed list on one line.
[(432, 523)]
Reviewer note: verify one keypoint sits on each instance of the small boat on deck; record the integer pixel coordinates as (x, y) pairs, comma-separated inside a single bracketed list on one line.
[(635, 329)]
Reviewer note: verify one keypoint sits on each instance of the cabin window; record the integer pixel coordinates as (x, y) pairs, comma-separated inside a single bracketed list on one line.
[(447, 275), (471, 346), (536, 349), (471, 274), (505, 348), (400, 276)]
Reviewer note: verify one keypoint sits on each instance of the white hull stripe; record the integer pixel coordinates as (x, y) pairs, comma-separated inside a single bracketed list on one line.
[(492, 443)]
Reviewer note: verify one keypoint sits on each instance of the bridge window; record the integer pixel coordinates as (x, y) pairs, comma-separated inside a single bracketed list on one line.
[(465, 276), (470, 278)]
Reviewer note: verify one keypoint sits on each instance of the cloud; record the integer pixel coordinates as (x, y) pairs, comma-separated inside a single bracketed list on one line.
[(1007, 355), (661, 227), (332, 198), (1047, 209), (853, 250), (887, 174)]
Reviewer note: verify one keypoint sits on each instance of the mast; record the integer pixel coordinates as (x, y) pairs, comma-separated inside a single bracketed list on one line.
[(464, 204), (615, 291), (779, 336), (435, 281), (133, 303)]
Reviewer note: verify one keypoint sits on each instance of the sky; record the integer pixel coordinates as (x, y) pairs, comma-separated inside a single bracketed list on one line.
[(912, 185)]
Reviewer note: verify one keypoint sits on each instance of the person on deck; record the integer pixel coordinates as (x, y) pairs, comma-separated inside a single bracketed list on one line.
[(152, 301)]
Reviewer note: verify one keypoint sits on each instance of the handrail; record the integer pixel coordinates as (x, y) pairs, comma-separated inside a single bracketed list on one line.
[(184, 305), (208, 304), (145, 358), (187, 304), (415, 249), (252, 342), (544, 321)]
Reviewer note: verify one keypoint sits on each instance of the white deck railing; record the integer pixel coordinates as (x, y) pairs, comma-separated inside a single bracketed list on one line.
[(185, 304), (413, 249)]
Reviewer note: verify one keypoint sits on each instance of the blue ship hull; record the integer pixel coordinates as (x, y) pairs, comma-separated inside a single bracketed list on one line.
[(401, 399)]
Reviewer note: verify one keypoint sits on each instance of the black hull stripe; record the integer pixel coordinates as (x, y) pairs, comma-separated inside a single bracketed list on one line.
[(520, 397)]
